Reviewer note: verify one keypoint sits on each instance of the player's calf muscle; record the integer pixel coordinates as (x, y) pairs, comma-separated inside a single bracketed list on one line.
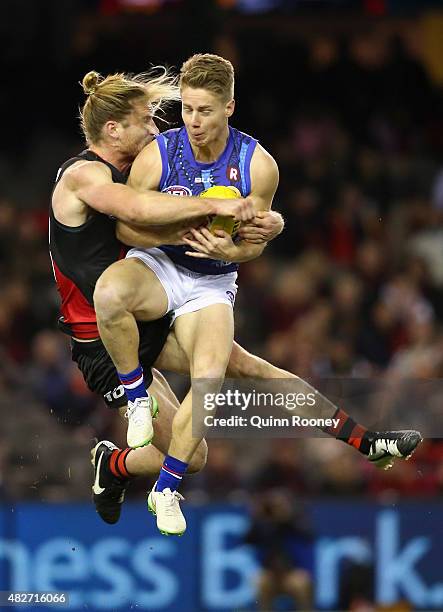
[(245, 365), (160, 385), (168, 402), (199, 458)]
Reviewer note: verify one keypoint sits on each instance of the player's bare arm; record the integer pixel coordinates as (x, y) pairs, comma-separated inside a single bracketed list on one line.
[(145, 179), (67, 206), (90, 184), (149, 237), (264, 183), (265, 226)]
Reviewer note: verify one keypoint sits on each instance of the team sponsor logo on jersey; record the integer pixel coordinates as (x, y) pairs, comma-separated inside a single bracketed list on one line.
[(177, 190), (233, 173)]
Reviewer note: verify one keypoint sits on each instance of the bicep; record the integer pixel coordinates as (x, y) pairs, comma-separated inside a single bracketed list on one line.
[(146, 170), (264, 179), (94, 186), (90, 183)]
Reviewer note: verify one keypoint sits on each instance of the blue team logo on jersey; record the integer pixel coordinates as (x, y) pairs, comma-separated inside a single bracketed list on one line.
[(231, 297), (177, 190)]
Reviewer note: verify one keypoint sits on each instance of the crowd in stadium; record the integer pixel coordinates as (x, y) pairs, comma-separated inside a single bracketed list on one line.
[(353, 287)]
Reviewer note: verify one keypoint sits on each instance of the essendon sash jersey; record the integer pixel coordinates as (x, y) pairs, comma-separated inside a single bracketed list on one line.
[(79, 255)]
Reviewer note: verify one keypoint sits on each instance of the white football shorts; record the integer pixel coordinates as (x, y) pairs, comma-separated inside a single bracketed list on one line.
[(187, 291)]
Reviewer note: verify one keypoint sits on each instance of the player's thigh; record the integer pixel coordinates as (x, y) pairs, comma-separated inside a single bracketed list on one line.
[(206, 335), (172, 357), (131, 282)]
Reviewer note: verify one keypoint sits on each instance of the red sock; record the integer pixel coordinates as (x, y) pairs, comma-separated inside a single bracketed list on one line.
[(117, 463), (349, 432)]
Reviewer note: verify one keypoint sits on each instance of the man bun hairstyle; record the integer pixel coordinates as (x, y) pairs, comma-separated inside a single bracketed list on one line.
[(111, 98), (90, 82)]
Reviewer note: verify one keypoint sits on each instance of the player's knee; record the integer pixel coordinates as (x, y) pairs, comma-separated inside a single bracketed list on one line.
[(110, 297), (199, 458), (210, 368)]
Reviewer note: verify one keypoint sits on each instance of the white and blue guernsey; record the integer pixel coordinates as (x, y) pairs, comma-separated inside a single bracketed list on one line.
[(182, 175)]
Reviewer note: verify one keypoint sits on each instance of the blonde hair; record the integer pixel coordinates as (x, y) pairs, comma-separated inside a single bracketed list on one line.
[(111, 98), (211, 72)]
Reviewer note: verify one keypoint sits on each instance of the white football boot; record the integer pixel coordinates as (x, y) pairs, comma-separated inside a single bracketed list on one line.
[(140, 414), (165, 505)]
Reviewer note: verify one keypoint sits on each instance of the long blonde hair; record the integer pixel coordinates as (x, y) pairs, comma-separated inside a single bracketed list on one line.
[(211, 72), (111, 98)]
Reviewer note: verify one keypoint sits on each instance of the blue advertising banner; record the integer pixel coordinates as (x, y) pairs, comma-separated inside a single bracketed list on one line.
[(131, 566)]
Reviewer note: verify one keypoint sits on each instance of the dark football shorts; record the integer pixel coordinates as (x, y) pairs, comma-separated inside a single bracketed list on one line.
[(99, 371)]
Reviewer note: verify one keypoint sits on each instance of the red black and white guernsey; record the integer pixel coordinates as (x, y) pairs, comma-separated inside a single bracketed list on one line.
[(79, 255)]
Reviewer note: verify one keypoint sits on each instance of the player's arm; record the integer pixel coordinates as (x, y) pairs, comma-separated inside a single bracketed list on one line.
[(264, 183), (148, 237), (145, 177), (92, 184)]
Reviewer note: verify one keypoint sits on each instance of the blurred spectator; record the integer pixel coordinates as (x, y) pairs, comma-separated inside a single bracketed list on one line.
[(338, 475), (282, 469), (55, 380), (357, 587), (292, 296), (220, 480), (283, 539), (305, 223), (7, 239)]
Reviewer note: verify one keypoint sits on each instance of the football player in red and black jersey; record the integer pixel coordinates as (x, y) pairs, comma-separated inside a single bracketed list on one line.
[(89, 196)]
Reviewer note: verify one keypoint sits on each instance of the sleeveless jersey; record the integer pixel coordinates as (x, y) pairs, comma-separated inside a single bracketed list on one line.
[(182, 175), (79, 255)]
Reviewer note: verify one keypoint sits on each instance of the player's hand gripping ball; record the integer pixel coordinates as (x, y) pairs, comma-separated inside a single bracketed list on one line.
[(219, 222)]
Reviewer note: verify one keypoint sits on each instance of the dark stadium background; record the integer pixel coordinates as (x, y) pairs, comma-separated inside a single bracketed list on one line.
[(347, 96)]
